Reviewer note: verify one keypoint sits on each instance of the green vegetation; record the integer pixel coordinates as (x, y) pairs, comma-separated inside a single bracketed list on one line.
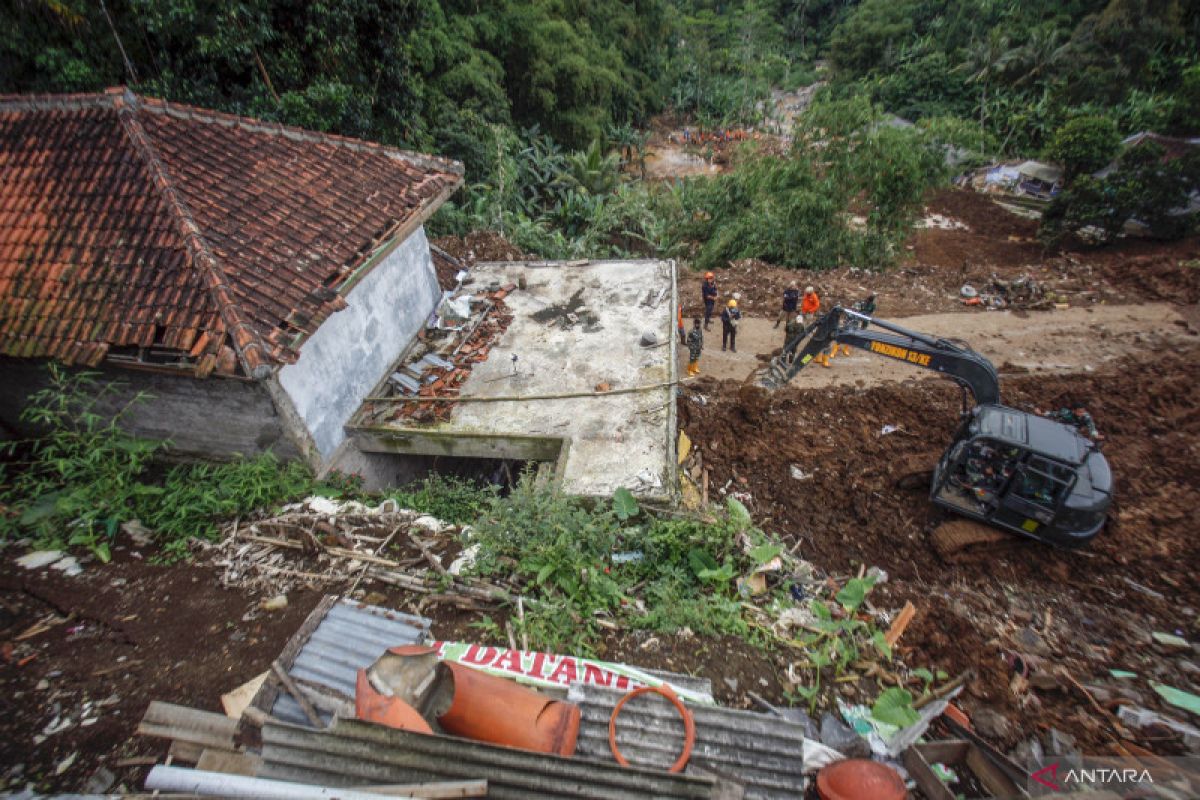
[(1023, 69), (583, 567), (1084, 144), (834, 641), (78, 482), (1144, 187), (546, 103)]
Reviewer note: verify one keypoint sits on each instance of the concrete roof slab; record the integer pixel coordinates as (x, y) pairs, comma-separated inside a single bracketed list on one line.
[(575, 326)]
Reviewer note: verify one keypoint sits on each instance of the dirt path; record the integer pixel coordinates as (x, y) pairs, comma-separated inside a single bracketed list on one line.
[(1072, 340)]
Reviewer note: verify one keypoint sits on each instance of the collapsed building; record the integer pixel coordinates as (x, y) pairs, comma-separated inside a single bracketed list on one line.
[(255, 284)]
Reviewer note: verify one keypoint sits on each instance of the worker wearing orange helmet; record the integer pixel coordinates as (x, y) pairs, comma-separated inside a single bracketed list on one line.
[(730, 318), (708, 291)]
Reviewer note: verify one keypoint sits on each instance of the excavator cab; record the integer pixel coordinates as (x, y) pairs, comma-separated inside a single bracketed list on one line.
[(1026, 474)]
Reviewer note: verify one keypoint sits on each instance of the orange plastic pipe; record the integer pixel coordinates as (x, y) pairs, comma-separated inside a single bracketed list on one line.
[(689, 725), (491, 709), (372, 706)]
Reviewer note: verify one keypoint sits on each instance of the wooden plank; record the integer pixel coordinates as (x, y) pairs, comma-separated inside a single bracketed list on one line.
[(900, 624), (235, 702), (300, 697), (185, 752), (230, 763), (264, 701), (169, 721)]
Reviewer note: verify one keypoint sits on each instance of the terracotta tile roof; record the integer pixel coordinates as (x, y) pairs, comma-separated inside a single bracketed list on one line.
[(222, 241)]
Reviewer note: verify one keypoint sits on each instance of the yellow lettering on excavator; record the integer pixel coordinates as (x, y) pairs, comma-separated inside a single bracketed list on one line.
[(920, 359), (902, 353), (890, 350)]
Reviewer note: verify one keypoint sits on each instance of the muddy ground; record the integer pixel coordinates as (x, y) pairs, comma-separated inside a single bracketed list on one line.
[(1074, 615), (1085, 611)]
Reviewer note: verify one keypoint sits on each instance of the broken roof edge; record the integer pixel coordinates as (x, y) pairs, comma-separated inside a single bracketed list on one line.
[(247, 342)]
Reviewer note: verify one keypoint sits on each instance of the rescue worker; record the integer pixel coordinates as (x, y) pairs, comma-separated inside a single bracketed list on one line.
[(810, 304), (791, 299), (682, 332), (866, 306), (729, 325), (695, 344), (794, 328), (708, 291)]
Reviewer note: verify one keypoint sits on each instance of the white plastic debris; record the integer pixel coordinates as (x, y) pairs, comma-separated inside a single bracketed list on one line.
[(39, 558), (277, 603), (67, 565), (323, 505), (817, 755), (888, 429), (465, 560), (428, 523), (801, 475)]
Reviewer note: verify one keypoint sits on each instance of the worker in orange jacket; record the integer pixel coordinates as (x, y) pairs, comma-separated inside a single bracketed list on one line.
[(810, 305)]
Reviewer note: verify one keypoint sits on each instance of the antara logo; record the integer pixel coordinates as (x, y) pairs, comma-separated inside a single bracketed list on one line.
[(1047, 776)]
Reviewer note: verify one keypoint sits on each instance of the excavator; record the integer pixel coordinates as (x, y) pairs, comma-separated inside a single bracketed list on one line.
[(1006, 468)]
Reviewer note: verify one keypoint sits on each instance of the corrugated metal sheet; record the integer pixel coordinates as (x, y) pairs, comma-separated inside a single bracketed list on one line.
[(330, 650), (359, 754), (764, 753)]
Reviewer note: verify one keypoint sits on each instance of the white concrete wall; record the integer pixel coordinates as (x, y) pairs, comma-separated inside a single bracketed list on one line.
[(354, 348)]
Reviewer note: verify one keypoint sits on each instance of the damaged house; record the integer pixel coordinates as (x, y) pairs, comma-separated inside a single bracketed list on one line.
[(256, 281)]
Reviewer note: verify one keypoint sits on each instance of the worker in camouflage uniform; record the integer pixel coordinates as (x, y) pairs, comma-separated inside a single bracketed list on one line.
[(794, 328), (695, 344)]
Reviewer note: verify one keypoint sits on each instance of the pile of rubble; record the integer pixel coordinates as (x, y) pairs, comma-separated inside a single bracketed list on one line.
[(321, 542), (460, 333)]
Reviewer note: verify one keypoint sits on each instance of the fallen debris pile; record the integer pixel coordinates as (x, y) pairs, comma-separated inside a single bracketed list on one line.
[(459, 335), (309, 726), (322, 542)]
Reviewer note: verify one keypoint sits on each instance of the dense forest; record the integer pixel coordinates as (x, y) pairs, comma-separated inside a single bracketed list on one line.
[(544, 100)]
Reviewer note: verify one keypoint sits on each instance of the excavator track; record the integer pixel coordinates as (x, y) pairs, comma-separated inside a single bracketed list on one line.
[(960, 540)]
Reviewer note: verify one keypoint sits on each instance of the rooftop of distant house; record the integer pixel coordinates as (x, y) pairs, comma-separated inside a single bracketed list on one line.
[(153, 232)]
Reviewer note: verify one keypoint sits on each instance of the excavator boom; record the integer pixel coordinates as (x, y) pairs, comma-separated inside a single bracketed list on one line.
[(845, 326)]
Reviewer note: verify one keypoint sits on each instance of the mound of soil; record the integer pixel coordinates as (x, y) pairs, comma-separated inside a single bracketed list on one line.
[(1088, 610)]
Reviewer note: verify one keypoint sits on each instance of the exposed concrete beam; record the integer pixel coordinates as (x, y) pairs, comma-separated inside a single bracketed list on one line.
[(413, 441)]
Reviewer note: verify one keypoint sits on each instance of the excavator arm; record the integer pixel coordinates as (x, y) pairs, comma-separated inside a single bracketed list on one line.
[(845, 326)]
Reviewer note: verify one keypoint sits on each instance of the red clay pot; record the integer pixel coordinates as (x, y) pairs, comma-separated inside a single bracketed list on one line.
[(860, 779)]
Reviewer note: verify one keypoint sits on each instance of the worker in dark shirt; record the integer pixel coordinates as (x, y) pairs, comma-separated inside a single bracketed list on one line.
[(708, 291), (791, 300), (730, 318)]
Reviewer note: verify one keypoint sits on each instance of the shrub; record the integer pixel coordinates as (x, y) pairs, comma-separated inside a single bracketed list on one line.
[(1143, 187), (78, 482), (1084, 144)]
